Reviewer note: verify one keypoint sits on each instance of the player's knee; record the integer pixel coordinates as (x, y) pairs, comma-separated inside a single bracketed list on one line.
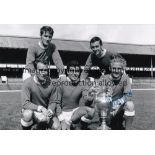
[(65, 125), (81, 111), (27, 115), (129, 108), (90, 112), (89, 115), (56, 124), (27, 119)]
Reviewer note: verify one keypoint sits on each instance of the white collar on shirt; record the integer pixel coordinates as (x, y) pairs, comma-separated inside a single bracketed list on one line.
[(41, 45), (35, 79)]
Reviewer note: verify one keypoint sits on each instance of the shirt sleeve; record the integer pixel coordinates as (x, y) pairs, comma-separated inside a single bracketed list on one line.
[(55, 100), (26, 98), (58, 62), (30, 59), (86, 100), (127, 89), (87, 67), (127, 93)]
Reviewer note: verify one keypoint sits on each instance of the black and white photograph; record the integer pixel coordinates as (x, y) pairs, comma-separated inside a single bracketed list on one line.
[(77, 77), (83, 66)]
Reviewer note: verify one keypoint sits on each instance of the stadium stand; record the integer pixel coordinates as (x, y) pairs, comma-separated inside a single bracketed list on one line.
[(13, 50)]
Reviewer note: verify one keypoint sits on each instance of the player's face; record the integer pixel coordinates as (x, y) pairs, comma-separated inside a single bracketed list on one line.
[(46, 38), (96, 48), (74, 73), (117, 70), (42, 71)]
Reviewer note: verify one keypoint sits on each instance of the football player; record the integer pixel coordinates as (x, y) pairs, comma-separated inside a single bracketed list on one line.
[(99, 57), (72, 92), (43, 50), (121, 109), (39, 99)]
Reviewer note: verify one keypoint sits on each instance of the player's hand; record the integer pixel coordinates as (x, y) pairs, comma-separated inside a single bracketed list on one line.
[(93, 90), (50, 113), (114, 112), (62, 77), (91, 93), (44, 111)]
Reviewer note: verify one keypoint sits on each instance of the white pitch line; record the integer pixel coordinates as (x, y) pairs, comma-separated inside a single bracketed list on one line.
[(144, 89), (9, 91)]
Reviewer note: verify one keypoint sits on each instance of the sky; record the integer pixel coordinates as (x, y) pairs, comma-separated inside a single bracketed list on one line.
[(121, 33)]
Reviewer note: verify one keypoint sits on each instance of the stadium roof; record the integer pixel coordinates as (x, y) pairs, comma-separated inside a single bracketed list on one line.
[(18, 42)]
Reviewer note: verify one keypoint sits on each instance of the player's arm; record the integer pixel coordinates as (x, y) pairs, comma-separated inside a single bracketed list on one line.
[(58, 62), (55, 101), (30, 60), (127, 93), (26, 99), (127, 89), (120, 101), (86, 69), (88, 96)]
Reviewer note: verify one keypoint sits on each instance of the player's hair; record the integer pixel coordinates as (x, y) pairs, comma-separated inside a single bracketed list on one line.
[(120, 60), (73, 63), (94, 39), (39, 61), (46, 29)]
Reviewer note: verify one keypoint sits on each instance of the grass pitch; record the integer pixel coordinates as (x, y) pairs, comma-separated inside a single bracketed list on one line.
[(10, 110)]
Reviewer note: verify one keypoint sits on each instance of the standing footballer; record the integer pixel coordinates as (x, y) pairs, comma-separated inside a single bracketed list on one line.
[(44, 50), (100, 57)]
